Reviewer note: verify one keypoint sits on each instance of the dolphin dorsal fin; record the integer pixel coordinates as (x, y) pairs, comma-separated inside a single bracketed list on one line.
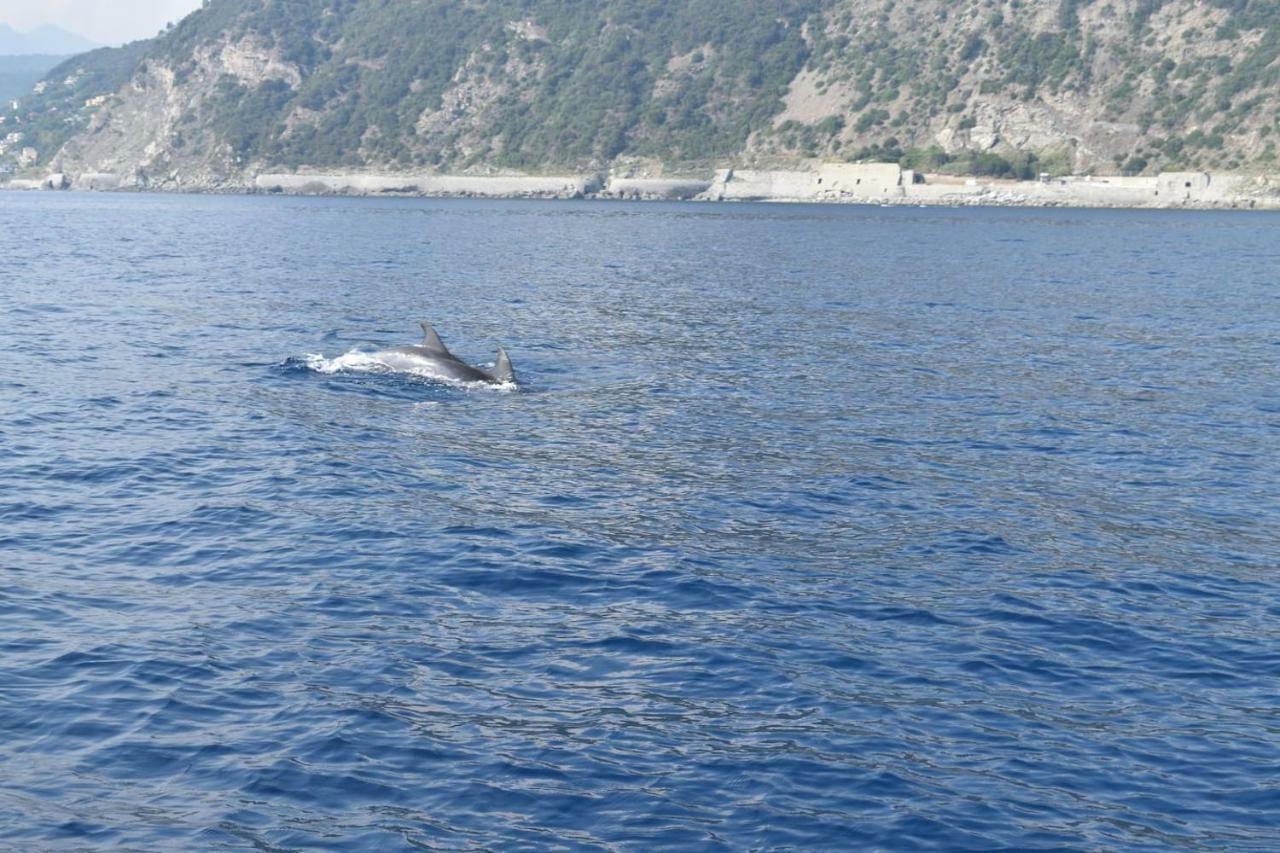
[(502, 370), (431, 340)]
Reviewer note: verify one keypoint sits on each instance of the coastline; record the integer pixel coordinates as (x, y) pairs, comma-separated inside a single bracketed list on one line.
[(835, 183)]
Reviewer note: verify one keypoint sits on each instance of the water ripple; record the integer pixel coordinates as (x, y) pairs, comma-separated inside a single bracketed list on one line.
[(811, 527)]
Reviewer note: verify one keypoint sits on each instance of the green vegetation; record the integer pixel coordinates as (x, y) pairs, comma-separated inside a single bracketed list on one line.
[(552, 84), (1020, 165), (579, 88)]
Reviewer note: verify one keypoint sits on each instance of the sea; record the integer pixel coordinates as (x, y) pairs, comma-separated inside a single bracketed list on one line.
[(805, 527)]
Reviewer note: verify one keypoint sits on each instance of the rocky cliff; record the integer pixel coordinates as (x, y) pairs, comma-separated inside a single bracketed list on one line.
[(996, 87)]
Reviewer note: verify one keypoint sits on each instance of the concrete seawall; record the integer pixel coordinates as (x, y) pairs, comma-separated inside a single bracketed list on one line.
[(1168, 190), (853, 183), (513, 186), (881, 183), (850, 183), (656, 188)]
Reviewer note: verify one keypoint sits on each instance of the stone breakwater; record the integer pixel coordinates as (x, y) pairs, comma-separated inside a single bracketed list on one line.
[(853, 183)]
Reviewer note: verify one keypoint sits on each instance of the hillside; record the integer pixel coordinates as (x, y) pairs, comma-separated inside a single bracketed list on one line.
[(985, 87), (19, 73)]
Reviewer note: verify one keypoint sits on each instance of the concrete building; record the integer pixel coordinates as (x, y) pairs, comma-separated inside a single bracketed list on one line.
[(862, 180), (829, 182), (1181, 185), (1199, 186), (762, 185), (98, 181)]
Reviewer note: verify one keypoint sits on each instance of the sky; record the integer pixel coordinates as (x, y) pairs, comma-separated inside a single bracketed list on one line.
[(109, 22)]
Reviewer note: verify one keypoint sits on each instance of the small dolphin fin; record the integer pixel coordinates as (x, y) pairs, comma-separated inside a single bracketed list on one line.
[(431, 340), (502, 370)]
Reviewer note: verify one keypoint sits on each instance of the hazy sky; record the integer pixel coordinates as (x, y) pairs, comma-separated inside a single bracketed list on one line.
[(105, 21)]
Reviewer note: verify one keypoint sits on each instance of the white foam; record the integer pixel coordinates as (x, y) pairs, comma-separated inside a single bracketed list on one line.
[(352, 362)]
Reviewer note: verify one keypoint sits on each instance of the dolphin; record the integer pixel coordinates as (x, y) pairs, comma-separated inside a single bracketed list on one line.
[(433, 357)]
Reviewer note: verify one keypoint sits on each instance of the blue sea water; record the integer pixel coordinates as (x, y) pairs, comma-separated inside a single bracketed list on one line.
[(809, 527)]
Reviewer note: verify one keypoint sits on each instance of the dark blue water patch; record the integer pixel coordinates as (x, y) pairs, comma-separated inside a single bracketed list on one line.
[(866, 533)]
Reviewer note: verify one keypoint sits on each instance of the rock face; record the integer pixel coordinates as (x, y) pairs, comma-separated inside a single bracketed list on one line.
[(249, 87), (146, 137), (1098, 86)]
